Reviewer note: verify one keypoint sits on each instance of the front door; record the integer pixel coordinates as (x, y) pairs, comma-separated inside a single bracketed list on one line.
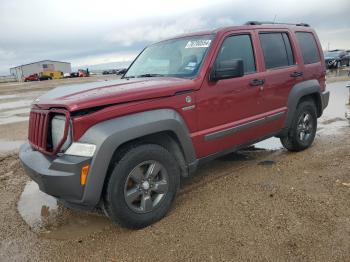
[(228, 110)]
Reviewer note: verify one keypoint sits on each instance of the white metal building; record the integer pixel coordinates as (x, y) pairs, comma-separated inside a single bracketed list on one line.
[(22, 71)]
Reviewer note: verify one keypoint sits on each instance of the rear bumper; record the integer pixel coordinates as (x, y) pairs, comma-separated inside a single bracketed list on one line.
[(324, 99), (57, 176)]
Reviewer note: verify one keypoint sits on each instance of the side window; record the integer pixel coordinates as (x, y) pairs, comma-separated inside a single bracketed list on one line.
[(238, 47), (308, 47), (277, 50)]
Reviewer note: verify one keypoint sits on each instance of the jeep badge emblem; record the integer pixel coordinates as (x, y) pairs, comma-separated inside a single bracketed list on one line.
[(188, 99)]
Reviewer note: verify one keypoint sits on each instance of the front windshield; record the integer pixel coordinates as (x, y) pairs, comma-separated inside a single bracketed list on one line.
[(181, 57)]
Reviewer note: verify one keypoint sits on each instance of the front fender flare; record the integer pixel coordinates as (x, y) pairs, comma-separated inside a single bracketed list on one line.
[(110, 134)]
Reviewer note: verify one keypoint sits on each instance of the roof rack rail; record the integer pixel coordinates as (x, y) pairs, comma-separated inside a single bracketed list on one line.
[(274, 23)]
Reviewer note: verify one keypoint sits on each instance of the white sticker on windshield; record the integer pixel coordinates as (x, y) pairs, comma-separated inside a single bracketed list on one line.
[(198, 44)]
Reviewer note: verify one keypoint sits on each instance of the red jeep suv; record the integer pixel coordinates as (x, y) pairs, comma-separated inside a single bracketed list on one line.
[(123, 145)]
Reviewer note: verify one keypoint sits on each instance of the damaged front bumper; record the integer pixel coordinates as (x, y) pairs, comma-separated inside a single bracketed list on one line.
[(58, 176)]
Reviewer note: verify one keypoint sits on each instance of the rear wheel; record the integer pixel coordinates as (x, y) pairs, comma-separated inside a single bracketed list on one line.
[(142, 186), (303, 129)]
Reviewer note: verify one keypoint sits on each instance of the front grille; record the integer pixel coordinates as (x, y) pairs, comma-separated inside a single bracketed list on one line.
[(39, 134), (38, 128)]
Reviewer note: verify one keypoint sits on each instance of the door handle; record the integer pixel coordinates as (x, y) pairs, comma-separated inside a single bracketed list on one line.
[(257, 82), (296, 74)]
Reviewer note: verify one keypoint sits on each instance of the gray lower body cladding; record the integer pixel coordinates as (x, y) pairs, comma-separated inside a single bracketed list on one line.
[(324, 99), (305, 88), (58, 176)]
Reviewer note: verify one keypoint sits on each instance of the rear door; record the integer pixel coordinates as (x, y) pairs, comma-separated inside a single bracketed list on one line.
[(281, 64)]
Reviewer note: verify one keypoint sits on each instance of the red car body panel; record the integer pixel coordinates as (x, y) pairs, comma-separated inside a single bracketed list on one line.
[(122, 92), (32, 78)]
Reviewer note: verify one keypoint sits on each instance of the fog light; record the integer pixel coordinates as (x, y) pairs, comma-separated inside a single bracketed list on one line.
[(83, 174)]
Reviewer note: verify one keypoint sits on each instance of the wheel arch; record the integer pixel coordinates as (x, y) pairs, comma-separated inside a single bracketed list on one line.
[(164, 127), (167, 139), (306, 90)]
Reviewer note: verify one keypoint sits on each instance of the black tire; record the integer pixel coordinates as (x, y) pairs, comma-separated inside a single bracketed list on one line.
[(115, 196), (295, 141)]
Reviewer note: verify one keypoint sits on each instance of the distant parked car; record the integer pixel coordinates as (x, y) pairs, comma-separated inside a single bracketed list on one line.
[(30, 78), (110, 72), (122, 71), (336, 58), (45, 77), (74, 74), (348, 54), (66, 75), (83, 73), (36, 77)]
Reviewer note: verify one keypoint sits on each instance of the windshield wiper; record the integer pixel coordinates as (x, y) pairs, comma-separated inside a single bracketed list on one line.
[(144, 75), (150, 75)]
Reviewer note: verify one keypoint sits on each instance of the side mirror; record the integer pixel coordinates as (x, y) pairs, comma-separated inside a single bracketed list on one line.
[(227, 69)]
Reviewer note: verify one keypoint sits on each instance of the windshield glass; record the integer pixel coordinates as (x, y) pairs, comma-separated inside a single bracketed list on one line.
[(181, 57)]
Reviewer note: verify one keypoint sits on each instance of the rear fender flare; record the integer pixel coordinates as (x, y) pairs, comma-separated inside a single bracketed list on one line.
[(309, 87)]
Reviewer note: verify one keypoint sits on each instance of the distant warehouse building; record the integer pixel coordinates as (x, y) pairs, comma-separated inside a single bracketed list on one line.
[(22, 71)]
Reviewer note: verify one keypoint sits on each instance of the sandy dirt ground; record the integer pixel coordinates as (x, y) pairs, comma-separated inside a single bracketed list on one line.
[(254, 205)]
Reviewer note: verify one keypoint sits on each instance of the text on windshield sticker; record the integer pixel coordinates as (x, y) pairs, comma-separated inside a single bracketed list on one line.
[(198, 43)]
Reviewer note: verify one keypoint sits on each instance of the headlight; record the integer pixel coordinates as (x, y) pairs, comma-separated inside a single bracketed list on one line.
[(58, 123), (81, 149)]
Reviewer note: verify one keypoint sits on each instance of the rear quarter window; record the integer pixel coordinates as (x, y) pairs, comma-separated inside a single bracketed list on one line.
[(308, 47)]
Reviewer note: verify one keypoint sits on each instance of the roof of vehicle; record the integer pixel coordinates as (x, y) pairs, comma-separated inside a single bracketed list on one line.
[(249, 25)]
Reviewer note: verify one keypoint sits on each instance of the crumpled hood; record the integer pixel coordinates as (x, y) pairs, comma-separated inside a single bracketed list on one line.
[(83, 96)]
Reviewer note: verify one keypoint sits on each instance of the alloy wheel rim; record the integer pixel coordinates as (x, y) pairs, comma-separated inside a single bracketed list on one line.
[(146, 186), (305, 127)]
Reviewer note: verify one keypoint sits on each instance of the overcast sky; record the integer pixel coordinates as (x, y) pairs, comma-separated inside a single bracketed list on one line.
[(104, 31)]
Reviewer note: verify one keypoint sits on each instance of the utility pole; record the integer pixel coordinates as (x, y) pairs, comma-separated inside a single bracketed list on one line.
[(274, 19)]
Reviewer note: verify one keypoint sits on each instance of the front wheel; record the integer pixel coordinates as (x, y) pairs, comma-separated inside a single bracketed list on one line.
[(142, 186), (303, 129)]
